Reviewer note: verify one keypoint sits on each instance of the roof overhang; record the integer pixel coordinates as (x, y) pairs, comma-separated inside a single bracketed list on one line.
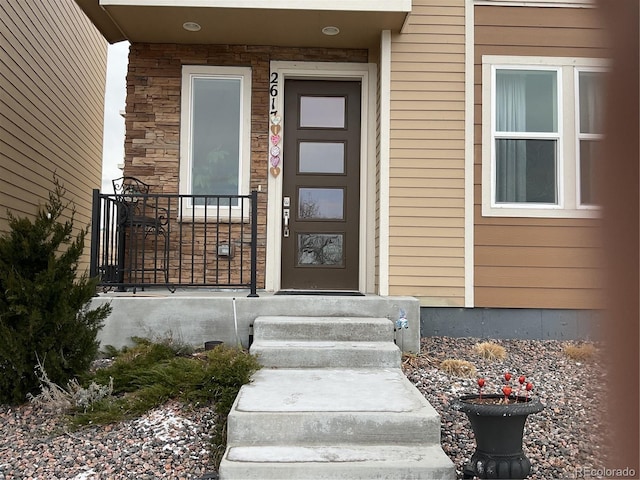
[(292, 23)]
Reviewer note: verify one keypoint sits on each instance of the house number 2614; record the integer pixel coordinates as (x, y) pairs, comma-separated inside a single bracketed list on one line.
[(273, 91)]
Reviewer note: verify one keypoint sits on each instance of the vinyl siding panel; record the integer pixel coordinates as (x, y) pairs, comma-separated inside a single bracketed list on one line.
[(52, 76), (534, 262), (426, 234), (427, 155)]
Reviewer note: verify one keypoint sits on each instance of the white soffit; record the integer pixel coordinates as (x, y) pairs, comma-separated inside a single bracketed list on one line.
[(289, 23)]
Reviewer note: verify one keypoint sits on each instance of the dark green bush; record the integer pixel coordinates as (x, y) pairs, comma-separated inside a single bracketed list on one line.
[(44, 302), (147, 374)]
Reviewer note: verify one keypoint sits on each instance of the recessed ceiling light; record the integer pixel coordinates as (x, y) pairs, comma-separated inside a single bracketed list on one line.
[(191, 26), (331, 30)]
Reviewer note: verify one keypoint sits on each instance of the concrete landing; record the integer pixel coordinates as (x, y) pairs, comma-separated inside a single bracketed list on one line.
[(332, 406), (330, 390)]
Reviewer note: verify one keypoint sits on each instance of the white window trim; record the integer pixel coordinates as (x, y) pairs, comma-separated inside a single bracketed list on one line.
[(189, 74), (567, 161)]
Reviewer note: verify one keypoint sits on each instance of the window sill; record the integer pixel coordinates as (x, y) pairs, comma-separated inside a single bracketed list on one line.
[(191, 215), (529, 211)]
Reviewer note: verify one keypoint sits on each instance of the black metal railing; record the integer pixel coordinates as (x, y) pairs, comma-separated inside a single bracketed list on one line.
[(148, 240)]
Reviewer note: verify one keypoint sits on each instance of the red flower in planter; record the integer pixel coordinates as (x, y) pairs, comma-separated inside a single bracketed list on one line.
[(520, 390), (507, 391), (480, 385), (528, 388)]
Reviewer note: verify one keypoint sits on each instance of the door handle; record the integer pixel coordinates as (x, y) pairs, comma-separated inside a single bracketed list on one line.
[(285, 221)]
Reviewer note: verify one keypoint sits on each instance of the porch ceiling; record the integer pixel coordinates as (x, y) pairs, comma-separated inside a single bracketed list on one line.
[(254, 22)]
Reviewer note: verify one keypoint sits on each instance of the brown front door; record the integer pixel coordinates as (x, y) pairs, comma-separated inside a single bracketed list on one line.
[(321, 185)]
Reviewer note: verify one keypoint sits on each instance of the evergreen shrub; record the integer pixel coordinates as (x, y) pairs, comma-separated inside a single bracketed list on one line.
[(44, 303)]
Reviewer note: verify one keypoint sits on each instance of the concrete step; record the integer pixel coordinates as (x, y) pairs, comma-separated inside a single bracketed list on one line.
[(323, 328), (327, 406), (334, 405), (336, 462), (329, 354)]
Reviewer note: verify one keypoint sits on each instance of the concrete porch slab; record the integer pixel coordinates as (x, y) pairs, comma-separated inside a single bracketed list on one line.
[(199, 315)]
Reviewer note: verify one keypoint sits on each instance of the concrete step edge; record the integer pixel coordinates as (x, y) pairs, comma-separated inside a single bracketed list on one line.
[(320, 318), (334, 453), (336, 462), (328, 328), (326, 344), (319, 428)]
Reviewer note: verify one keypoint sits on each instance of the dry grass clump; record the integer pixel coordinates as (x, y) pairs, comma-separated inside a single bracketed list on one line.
[(459, 368), (53, 397), (490, 351), (582, 352)]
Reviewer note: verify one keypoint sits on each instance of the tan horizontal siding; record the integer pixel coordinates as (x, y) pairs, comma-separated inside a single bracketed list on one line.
[(439, 296), (407, 114), (407, 245), (531, 36), (428, 10), (442, 134), (546, 18), (52, 74), (432, 222), (567, 236), (423, 124), (540, 277), (539, 297), (431, 174), (537, 257), (550, 51), (435, 263), (426, 181), (426, 215), (533, 262)]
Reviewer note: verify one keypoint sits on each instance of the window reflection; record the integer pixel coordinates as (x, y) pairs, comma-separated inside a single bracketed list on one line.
[(320, 249), (321, 203)]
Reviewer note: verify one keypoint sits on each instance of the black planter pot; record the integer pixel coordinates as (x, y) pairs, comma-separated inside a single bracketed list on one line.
[(498, 430)]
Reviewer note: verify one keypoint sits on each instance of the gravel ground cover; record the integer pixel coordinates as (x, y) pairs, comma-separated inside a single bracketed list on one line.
[(562, 441), (172, 442)]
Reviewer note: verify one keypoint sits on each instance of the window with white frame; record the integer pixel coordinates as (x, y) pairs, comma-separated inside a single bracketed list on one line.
[(215, 134), (542, 120)]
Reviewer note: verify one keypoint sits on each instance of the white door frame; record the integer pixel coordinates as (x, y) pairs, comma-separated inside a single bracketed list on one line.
[(366, 72)]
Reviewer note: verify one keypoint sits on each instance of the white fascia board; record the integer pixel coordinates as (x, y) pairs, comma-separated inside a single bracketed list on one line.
[(539, 3), (385, 160), (338, 5)]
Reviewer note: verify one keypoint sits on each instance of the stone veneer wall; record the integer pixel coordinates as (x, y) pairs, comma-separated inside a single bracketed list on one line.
[(152, 142)]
